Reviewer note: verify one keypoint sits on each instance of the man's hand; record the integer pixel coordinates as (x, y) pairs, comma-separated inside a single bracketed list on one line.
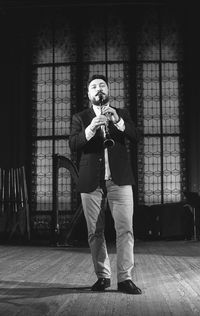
[(97, 122), (111, 114)]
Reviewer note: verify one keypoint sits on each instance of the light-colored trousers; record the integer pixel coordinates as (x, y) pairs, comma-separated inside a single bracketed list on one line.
[(120, 199)]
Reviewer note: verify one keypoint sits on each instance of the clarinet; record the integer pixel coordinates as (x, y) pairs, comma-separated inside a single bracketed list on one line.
[(108, 141)]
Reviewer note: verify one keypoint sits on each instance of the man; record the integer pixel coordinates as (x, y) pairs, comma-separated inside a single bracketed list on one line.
[(106, 172)]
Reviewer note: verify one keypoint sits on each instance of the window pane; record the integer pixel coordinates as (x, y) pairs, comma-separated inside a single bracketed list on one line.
[(116, 76), (156, 107), (151, 100), (62, 100), (44, 101), (170, 98), (44, 175), (171, 169), (152, 170), (62, 147)]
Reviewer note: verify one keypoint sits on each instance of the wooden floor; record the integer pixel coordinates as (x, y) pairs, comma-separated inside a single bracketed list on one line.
[(54, 281)]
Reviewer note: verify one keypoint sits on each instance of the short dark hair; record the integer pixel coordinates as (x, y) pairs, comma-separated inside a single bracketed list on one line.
[(97, 77)]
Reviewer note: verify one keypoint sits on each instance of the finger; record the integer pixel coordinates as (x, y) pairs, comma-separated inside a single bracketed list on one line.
[(109, 111)]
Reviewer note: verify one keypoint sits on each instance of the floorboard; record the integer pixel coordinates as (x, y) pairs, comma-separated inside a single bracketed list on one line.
[(55, 281)]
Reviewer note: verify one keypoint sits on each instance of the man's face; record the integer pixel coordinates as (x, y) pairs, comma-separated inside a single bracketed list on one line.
[(96, 87)]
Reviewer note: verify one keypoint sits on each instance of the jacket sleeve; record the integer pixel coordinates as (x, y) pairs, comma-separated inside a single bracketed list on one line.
[(130, 128), (77, 138)]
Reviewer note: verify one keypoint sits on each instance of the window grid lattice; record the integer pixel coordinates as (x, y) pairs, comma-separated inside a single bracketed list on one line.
[(161, 164), (60, 56)]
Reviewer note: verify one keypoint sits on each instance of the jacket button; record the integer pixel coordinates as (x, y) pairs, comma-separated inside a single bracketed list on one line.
[(100, 159)]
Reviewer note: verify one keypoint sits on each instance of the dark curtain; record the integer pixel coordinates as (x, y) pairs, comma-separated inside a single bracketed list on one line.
[(15, 90)]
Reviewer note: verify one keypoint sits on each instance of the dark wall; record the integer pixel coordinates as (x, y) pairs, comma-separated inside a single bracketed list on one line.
[(192, 92), (15, 90)]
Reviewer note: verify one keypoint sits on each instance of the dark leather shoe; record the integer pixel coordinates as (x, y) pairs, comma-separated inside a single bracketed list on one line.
[(128, 287), (101, 284)]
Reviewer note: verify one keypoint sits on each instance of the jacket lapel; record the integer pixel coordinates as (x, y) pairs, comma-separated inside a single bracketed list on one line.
[(87, 116), (91, 113)]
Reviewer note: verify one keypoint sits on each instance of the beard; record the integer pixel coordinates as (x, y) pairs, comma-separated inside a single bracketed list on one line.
[(97, 101)]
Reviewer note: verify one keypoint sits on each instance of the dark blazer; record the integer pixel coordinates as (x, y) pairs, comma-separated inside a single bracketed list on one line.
[(91, 165)]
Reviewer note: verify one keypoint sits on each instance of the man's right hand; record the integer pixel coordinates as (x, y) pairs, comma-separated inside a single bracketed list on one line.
[(97, 122)]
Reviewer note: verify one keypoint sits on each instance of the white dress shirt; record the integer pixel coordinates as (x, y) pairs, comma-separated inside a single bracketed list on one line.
[(89, 134)]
